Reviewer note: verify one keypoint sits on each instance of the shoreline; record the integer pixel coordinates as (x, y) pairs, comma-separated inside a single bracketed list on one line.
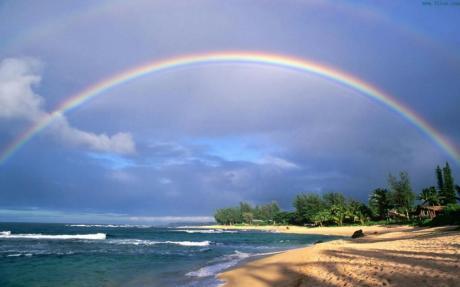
[(346, 231), (335, 231), (401, 256)]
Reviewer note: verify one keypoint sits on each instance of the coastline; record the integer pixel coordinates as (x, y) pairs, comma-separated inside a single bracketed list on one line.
[(394, 256), (333, 231)]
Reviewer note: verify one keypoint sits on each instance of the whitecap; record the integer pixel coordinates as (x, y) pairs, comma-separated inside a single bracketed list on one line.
[(95, 236), (190, 243), (39, 253), (205, 231), (132, 242), (152, 242)]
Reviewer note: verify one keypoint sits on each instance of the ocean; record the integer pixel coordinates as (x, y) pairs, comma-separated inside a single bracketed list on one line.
[(33, 254)]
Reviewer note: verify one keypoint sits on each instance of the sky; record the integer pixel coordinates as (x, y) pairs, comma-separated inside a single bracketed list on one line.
[(176, 145)]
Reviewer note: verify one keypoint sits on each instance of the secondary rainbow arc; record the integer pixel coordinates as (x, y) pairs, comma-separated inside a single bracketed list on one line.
[(289, 62)]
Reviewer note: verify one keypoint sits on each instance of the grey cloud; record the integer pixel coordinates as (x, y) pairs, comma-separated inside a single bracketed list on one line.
[(288, 132)]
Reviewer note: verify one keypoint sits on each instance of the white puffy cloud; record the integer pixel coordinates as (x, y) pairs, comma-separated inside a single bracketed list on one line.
[(118, 143), (19, 101)]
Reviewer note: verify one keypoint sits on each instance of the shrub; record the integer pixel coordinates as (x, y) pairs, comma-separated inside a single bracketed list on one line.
[(449, 216)]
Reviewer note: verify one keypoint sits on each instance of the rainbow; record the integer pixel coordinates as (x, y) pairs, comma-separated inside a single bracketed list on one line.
[(276, 60)]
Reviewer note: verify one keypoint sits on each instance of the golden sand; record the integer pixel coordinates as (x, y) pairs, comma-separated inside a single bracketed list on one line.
[(400, 256), (335, 230)]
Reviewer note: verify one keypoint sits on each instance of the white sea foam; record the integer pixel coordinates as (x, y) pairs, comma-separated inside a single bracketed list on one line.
[(206, 231), (190, 243), (132, 242), (95, 236), (91, 225), (39, 252), (212, 270), (227, 262), (152, 242)]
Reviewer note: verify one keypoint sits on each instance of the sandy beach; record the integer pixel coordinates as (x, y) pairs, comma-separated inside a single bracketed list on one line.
[(335, 230), (386, 256)]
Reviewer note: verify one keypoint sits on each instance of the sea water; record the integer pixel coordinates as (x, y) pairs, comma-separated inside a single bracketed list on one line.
[(124, 255)]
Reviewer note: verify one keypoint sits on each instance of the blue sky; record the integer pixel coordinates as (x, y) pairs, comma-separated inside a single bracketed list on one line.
[(177, 145)]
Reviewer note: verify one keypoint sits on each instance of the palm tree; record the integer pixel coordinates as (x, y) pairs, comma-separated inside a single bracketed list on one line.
[(380, 202), (338, 214), (429, 195), (358, 212), (322, 216)]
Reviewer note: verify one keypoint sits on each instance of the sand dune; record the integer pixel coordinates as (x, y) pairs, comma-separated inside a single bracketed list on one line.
[(405, 257)]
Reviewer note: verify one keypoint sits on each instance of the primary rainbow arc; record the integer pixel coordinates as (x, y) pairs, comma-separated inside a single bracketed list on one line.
[(289, 62)]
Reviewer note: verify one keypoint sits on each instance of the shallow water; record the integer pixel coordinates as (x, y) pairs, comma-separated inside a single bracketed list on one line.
[(121, 255)]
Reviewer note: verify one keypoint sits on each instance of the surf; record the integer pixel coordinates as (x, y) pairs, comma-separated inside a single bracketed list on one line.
[(39, 236)]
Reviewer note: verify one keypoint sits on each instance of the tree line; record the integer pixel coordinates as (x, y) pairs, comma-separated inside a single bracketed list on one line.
[(246, 213), (333, 208)]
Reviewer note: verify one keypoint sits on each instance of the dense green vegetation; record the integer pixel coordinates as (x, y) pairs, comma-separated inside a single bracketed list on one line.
[(248, 214), (450, 216), (394, 204)]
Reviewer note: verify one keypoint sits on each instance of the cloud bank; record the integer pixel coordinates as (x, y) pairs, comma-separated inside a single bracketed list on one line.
[(18, 101)]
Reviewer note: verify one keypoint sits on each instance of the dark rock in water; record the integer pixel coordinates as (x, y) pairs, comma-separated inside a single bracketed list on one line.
[(358, 234), (318, 241)]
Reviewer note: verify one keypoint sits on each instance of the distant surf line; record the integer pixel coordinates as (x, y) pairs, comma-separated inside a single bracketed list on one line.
[(241, 57)]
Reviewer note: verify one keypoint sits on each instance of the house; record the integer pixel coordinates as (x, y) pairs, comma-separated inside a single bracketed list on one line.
[(429, 211), (394, 214)]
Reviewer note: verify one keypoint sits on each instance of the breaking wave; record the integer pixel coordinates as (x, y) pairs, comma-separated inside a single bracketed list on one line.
[(35, 253), (227, 262), (212, 231), (152, 242), (95, 236), (213, 269)]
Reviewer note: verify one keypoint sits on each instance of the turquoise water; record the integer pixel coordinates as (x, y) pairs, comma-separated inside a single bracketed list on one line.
[(119, 255)]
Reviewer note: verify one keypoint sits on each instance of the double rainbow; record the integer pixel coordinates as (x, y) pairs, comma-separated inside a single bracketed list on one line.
[(288, 62)]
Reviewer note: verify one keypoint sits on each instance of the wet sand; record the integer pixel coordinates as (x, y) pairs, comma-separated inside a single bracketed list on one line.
[(399, 256)]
